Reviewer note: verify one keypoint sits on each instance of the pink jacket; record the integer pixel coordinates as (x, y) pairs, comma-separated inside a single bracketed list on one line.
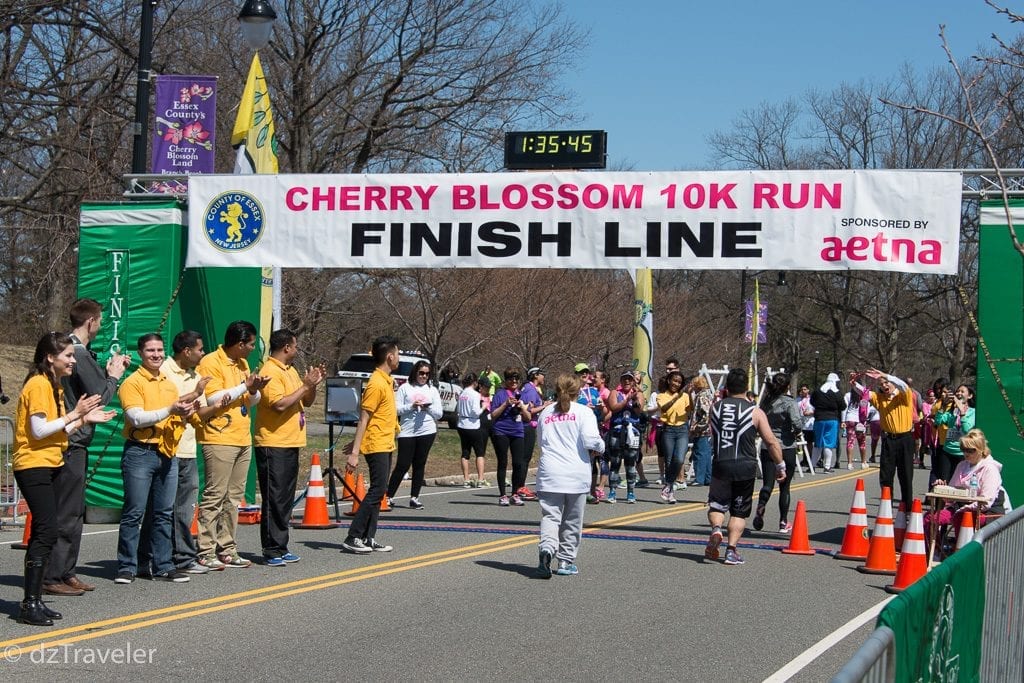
[(988, 473)]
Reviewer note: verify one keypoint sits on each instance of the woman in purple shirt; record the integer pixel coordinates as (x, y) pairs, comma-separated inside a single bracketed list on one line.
[(508, 413)]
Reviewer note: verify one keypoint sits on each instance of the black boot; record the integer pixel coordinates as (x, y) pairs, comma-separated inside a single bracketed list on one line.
[(33, 611)]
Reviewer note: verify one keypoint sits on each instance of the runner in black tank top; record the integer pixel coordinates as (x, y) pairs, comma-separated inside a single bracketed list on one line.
[(735, 425)]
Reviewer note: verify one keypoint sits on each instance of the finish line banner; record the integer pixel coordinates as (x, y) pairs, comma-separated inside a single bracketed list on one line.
[(905, 221)]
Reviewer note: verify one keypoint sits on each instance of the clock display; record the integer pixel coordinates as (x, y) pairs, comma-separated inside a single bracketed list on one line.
[(549, 149)]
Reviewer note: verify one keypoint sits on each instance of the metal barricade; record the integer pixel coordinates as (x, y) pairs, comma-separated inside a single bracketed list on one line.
[(874, 662), (1002, 641), (9, 495)]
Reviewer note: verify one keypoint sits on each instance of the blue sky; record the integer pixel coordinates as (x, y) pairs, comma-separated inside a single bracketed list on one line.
[(661, 75)]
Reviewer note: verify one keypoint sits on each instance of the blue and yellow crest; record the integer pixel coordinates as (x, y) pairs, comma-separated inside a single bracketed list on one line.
[(233, 221)]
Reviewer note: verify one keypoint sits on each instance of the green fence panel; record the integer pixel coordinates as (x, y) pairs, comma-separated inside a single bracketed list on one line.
[(937, 621)]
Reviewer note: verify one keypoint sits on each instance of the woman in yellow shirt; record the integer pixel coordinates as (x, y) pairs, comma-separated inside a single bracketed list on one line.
[(40, 438), (673, 407)]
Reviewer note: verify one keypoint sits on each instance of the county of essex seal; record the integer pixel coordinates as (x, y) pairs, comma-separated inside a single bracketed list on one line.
[(233, 221)]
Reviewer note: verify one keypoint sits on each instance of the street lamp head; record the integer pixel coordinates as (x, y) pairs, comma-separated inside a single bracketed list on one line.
[(257, 19)]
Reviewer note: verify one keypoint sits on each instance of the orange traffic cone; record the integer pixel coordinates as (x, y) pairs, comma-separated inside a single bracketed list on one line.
[(913, 559), (385, 503), (799, 544), (315, 514), (357, 495), (966, 533), (900, 527), (855, 538), (882, 552), (348, 485), (25, 536), (194, 530)]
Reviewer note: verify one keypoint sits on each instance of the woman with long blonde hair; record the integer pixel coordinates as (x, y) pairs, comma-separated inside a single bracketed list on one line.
[(567, 433)]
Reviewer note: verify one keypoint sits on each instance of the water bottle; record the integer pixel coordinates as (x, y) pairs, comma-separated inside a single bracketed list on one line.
[(972, 486)]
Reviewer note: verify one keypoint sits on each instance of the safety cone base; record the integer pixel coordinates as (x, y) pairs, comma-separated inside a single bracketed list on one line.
[(328, 525), (868, 570)]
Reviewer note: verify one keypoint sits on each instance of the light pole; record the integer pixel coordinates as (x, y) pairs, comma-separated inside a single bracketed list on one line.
[(140, 145), (816, 354), (257, 19)]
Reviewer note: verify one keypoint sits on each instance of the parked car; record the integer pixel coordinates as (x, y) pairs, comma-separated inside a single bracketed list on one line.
[(359, 366)]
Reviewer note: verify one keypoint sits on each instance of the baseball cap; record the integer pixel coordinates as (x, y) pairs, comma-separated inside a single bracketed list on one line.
[(533, 372), (581, 367), (627, 373)]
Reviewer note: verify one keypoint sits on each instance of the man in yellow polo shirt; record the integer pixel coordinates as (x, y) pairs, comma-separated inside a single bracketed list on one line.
[(894, 401), (280, 433), (375, 440), (154, 420), (227, 443)]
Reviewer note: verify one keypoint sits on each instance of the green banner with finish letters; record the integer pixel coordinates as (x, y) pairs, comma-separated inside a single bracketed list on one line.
[(937, 621), (132, 260)]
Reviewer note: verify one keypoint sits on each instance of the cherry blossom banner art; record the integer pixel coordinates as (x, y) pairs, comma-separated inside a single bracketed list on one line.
[(186, 121)]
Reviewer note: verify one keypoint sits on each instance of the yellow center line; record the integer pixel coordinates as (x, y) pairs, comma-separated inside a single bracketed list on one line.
[(139, 620)]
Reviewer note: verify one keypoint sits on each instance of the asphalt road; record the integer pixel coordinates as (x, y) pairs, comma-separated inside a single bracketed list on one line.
[(456, 601)]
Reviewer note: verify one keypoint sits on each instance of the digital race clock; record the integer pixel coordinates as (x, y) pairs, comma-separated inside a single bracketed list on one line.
[(543, 149)]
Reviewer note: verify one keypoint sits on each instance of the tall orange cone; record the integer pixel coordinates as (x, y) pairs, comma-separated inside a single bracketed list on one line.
[(900, 527), (315, 515), (799, 544), (385, 503), (348, 485), (357, 495), (913, 559), (882, 552), (855, 538), (194, 530), (25, 537), (966, 533)]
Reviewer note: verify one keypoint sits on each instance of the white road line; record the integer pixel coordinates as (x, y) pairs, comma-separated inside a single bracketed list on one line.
[(87, 533), (810, 654)]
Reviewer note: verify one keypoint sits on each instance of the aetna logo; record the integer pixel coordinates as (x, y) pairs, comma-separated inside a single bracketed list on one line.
[(882, 249)]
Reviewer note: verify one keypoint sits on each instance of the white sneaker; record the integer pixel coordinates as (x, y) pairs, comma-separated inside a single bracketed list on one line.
[(849, 465)]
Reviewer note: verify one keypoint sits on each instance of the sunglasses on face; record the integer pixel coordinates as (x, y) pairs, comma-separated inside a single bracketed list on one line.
[(424, 373), (968, 450)]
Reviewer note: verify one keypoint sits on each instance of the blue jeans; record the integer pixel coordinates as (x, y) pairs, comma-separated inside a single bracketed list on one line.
[(149, 478), (675, 440), (702, 459)]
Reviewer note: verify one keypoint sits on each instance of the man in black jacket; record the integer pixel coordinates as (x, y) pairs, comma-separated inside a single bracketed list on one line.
[(87, 379)]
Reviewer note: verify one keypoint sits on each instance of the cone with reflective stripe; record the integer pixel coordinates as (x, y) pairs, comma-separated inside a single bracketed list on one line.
[(900, 527), (855, 538), (882, 551), (913, 562), (966, 533), (315, 515), (385, 503), (799, 543), (194, 529), (25, 537), (357, 495)]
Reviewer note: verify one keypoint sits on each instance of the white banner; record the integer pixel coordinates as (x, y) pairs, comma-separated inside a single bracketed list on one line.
[(783, 220)]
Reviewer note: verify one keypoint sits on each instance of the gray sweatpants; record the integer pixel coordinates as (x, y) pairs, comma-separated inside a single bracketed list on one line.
[(561, 525)]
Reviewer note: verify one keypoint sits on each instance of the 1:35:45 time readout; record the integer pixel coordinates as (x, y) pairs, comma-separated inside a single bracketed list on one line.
[(553, 144)]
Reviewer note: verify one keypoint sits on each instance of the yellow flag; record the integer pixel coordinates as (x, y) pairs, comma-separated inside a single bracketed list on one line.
[(253, 136), (643, 329), (256, 152)]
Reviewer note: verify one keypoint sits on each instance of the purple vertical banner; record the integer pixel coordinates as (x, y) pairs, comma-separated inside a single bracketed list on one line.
[(186, 121), (762, 322)]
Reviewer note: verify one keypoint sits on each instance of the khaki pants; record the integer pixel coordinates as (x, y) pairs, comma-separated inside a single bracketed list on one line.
[(226, 470)]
